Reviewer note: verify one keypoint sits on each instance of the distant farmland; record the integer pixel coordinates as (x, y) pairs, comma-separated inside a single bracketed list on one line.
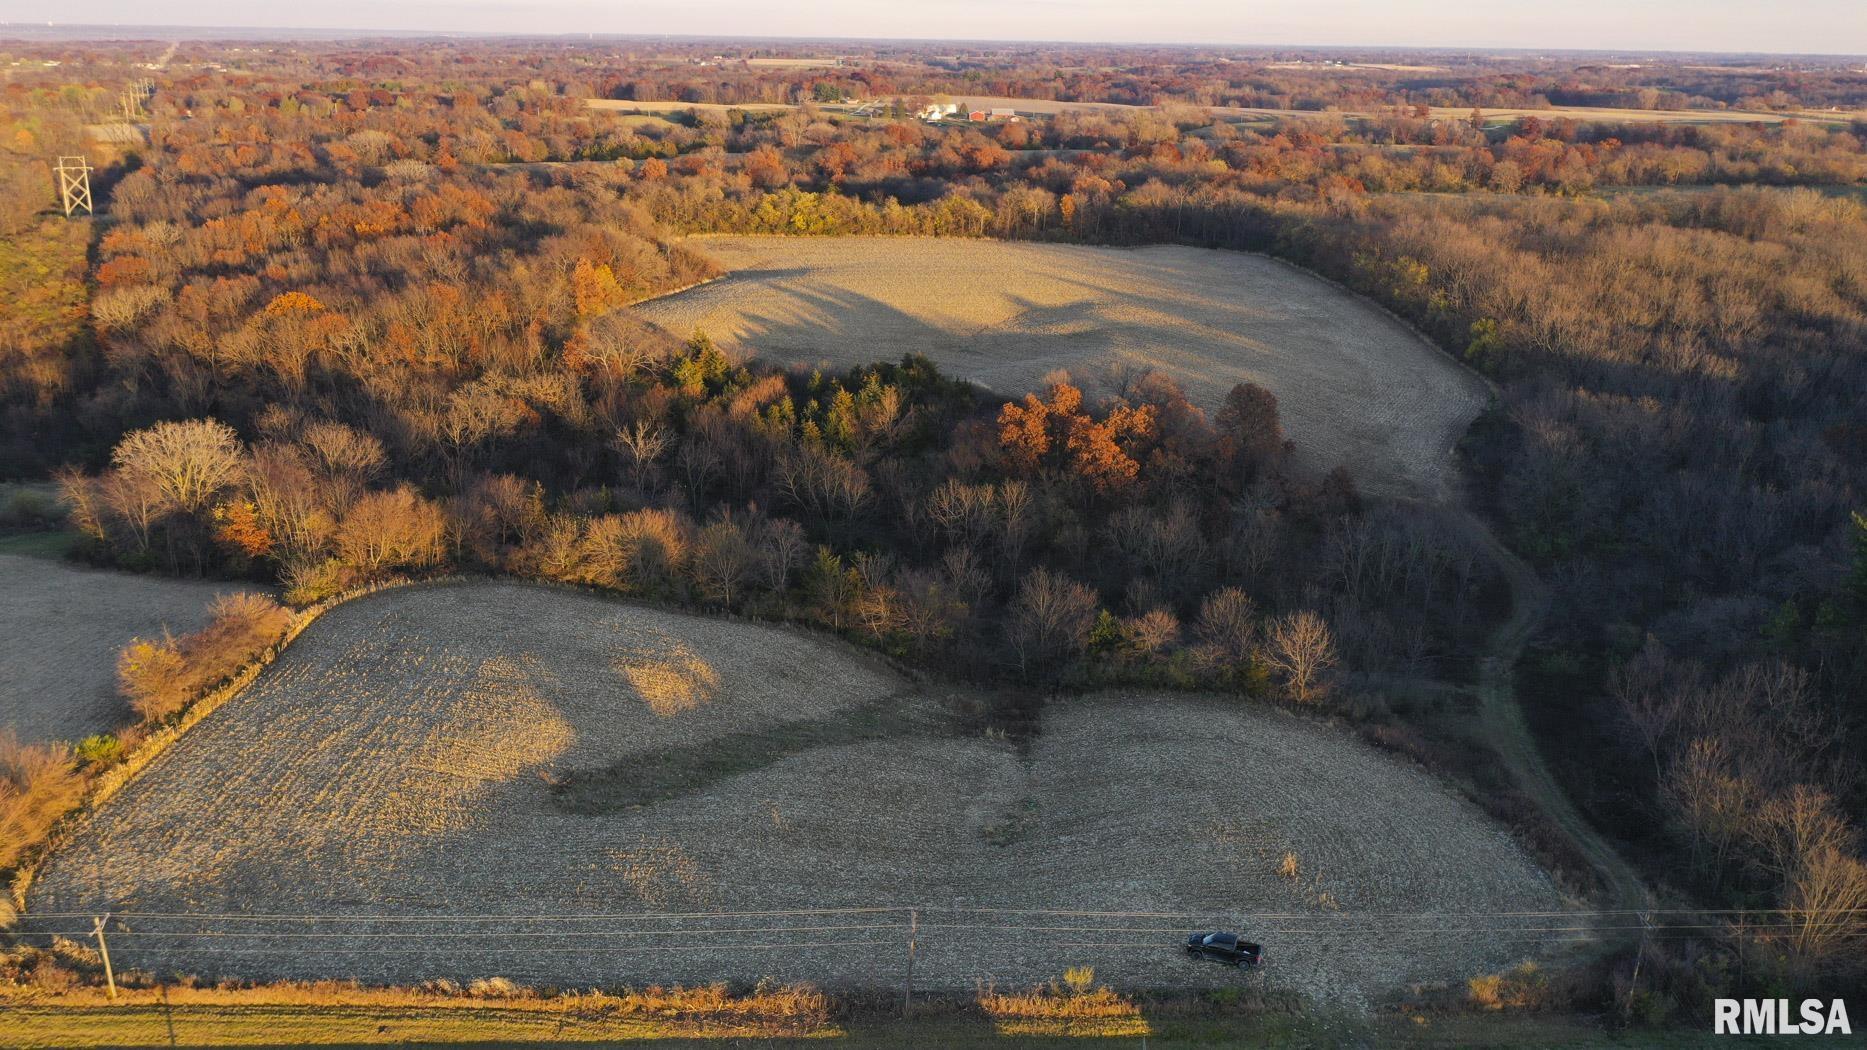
[(496, 778), (1494, 116), (626, 105), (1356, 387)]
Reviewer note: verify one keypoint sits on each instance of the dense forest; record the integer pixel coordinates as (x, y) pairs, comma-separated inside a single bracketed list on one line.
[(349, 312)]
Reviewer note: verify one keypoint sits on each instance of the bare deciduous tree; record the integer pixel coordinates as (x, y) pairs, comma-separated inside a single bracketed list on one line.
[(38, 784), (1227, 626), (824, 485), (1828, 907), (963, 512), (699, 464), (1153, 632), (1050, 618), (1713, 801), (1795, 825), (393, 529), (1301, 649), (642, 443), (967, 573), (723, 559), (136, 501), (189, 463), (1017, 519), (1650, 707), (285, 496), (929, 608), (346, 460), (781, 547)]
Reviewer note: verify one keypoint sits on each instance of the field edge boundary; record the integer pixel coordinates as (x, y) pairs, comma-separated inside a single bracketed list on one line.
[(105, 785)]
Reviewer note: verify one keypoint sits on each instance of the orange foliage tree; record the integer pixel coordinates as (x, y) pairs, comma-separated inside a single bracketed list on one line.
[(1058, 433)]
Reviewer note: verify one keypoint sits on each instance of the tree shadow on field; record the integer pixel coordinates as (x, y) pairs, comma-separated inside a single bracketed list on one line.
[(643, 779), (1352, 388), (816, 325), (319, 828), (754, 275)]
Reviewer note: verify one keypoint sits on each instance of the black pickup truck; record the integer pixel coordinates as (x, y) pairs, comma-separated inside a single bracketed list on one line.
[(1227, 948)]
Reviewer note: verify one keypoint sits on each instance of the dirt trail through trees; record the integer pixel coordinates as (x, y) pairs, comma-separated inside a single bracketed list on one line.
[(1355, 385), (1508, 732)]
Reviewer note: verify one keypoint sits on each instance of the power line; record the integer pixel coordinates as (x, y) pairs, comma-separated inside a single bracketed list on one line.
[(471, 917), (581, 949), (905, 908), (865, 927), (347, 935), (1359, 924), (935, 947), (1401, 914)]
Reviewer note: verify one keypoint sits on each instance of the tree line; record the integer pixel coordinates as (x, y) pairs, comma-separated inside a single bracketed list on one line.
[(346, 323)]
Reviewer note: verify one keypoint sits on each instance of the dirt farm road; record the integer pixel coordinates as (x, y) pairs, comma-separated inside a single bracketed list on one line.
[(1508, 731)]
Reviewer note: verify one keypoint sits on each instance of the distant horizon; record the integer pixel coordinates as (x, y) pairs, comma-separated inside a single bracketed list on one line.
[(101, 33), (1808, 28)]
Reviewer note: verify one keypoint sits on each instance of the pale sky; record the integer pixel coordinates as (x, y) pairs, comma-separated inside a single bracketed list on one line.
[(1806, 26)]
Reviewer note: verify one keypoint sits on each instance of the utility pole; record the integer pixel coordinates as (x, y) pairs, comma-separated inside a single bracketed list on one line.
[(168, 1014), (907, 985), (1633, 982), (103, 949), (74, 184)]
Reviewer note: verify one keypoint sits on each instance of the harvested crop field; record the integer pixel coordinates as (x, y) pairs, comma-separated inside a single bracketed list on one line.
[(1357, 388), (60, 630), (497, 778), (629, 105)]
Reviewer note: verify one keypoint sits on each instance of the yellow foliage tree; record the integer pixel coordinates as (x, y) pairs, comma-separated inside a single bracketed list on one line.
[(287, 304), (595, 289)]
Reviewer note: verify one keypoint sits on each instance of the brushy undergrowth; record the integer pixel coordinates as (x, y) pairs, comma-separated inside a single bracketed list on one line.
[(71, 974), (38, 784), (1074, 1005)]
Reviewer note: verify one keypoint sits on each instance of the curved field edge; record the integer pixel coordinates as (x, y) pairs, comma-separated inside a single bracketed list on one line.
[(1358, 386), (1502, 727), (919, 813), (103, 786), (1426, 340)]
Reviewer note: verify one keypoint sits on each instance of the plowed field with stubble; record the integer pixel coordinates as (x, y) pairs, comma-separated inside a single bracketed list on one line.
[(1356, 387), (490, 779), (61, 628)]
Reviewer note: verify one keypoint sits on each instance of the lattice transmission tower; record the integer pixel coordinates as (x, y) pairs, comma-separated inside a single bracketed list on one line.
[(132, 98), (74, 184)]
